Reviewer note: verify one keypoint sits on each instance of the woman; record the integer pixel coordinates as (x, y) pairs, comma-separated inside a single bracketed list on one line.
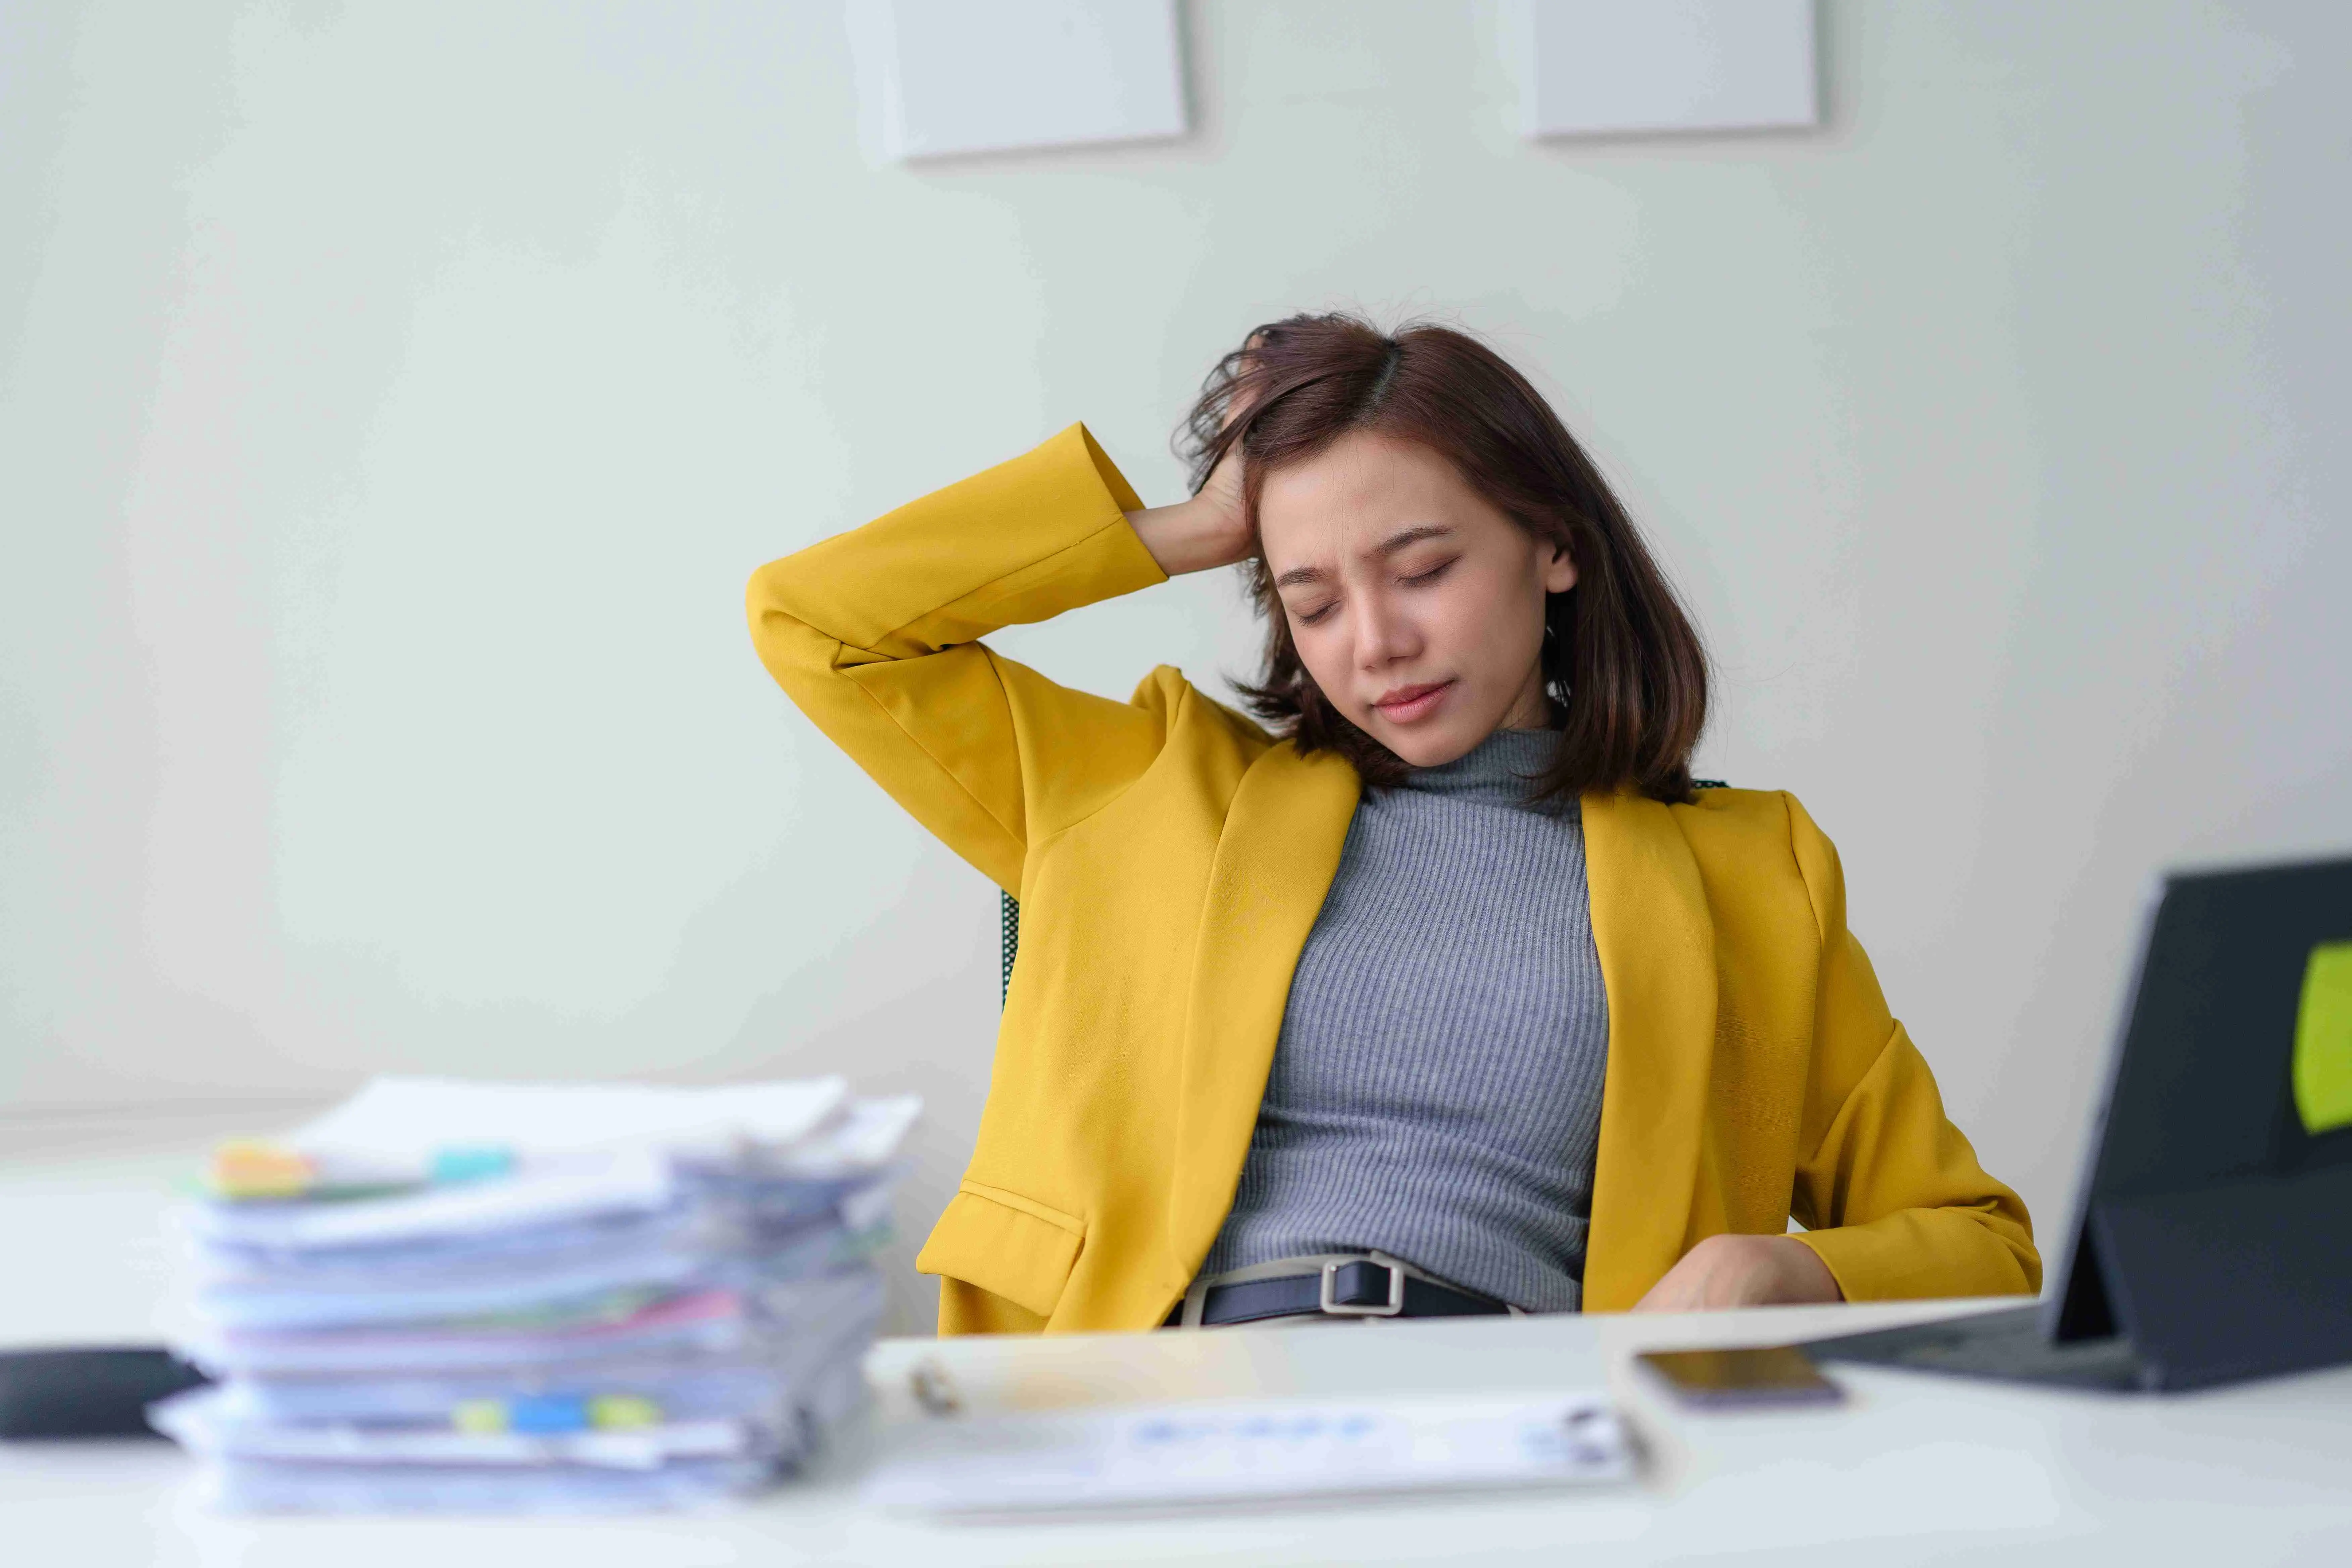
[(1442, 989)]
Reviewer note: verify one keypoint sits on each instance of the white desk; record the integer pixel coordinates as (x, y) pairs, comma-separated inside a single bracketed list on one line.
[(1911, 1469)]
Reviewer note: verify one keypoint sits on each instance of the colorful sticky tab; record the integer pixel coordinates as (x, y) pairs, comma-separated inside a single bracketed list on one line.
[(250, 1168), (482, 1417), (472, 1162), (622, 1412), (547, 1415), (2323, 1040), (547, 1412)]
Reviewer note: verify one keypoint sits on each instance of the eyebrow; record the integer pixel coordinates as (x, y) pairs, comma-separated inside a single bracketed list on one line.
[(1389, 546)]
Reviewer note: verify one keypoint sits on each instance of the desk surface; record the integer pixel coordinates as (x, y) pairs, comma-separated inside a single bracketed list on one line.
[(1913, 1468)]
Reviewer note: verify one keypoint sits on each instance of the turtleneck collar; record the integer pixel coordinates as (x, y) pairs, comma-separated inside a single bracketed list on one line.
[(1500, 769)]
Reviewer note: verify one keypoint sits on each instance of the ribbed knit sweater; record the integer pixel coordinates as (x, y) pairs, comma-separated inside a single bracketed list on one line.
[(1436, 1093)]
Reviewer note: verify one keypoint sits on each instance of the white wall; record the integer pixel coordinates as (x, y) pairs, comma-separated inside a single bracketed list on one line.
[(394, 399)]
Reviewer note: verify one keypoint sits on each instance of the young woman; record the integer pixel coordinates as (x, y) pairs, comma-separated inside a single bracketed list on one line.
[(1441, 988)]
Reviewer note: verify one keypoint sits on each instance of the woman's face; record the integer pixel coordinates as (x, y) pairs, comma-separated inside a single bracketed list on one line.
[(1415, 605)]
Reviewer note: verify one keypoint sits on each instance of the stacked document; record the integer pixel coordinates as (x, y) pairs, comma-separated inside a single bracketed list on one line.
[(1215, 1453), (448, 1296)]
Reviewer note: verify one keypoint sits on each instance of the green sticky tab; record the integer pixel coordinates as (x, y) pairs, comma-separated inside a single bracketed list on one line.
[(2323, 1040)]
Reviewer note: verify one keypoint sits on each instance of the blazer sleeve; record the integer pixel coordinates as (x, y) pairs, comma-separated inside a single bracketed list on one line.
[(1895, 1201), (875, 635)]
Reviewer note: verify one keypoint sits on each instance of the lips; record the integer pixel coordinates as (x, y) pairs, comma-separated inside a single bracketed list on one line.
[(1408, 703)]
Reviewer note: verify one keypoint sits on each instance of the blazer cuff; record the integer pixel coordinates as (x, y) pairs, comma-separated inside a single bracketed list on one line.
[(1917, 1254), (1019, 543)]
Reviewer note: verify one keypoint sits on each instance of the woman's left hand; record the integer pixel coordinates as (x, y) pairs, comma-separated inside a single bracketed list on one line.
[(1725, 1271)]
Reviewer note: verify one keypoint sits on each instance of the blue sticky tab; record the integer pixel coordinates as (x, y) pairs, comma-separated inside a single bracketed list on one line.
[(472, 1162), (546, 1413)]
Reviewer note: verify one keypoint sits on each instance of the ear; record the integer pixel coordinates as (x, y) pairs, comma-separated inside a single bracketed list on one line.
[(1559, 569)]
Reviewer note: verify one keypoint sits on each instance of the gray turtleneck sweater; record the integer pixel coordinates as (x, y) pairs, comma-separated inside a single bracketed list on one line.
[(1435, 1091)]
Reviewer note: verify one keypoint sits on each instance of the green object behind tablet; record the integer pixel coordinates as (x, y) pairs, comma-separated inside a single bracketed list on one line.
[(2323, 1040)]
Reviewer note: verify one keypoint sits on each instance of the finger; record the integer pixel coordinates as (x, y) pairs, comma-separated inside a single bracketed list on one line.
[(1238, 404)]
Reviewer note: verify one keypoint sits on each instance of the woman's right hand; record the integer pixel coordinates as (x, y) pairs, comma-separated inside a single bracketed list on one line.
[(1212, 528), (1209, 530)]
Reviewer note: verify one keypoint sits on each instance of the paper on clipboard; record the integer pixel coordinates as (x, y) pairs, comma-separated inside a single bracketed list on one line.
[(1202, 1454)]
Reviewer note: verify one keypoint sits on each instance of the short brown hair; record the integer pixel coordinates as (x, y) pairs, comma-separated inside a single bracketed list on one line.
[(1619, 655)]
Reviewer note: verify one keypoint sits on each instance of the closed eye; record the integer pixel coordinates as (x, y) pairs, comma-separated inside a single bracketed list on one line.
[(1315, 616), (1435, 572)]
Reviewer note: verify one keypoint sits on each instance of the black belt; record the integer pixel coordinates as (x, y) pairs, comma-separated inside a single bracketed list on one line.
[(1359, 1290)]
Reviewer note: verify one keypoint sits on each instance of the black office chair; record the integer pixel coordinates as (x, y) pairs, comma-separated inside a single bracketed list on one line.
[(1011, 915), (87, 1391)]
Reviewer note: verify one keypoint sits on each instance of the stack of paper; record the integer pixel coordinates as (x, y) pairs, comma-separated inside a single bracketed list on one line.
[(485, 1296)]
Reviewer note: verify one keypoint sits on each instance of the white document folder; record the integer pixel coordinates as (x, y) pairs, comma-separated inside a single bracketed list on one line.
[(1194, 1454)]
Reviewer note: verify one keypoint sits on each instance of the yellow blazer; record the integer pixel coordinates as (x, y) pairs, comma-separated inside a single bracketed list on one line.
[(1170, 858)]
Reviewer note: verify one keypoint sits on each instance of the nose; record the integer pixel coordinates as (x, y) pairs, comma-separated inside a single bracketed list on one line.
[(1385, 636)]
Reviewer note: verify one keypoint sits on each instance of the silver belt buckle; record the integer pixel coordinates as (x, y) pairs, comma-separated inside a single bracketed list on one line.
[(1334, 1309)]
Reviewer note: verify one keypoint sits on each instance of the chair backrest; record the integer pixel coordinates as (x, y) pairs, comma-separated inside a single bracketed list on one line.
[(1012, 917), (1011, 913)]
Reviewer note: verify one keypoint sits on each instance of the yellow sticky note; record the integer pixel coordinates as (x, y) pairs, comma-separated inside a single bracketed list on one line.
[(620, 1412), (482, 1417), (2323, 1040), (250, 1168)]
